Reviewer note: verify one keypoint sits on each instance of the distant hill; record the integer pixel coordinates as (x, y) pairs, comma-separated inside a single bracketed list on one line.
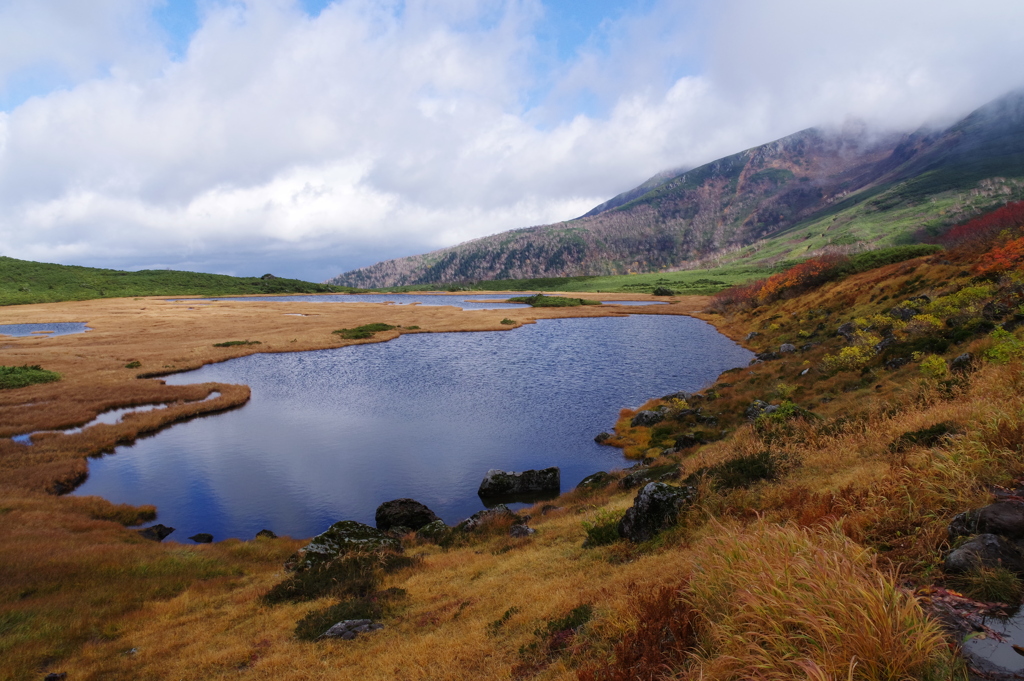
[(24, 281), (808, 192)]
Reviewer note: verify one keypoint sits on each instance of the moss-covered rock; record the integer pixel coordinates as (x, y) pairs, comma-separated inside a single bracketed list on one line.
[(341, 538)]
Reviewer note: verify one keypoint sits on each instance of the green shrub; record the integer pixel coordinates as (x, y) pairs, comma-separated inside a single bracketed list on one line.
[(228, 344), (934, 367), (925, 437), (742, 471), (133, 365), (20, 377), (541, 300), (603, 529), (364, 331), (1005, 347), (508, 322), (371, 607)]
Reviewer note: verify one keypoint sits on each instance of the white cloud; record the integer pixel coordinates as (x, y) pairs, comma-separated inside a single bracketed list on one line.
[(306, 145)]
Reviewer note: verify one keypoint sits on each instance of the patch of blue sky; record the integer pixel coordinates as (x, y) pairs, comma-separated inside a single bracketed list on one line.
[(179, 20), (34, 81)]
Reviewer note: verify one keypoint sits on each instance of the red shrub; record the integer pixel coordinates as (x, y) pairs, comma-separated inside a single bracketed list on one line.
[(1001, 259), (979, 234)]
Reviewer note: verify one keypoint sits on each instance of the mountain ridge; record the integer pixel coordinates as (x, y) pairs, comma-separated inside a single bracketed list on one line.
[(796, 188)]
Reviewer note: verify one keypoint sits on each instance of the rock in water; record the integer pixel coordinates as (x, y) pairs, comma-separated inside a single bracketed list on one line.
[(403, 513), (266, 534), (339, 539), (202, 538), (157, 532), (655, 508), (501, 483)]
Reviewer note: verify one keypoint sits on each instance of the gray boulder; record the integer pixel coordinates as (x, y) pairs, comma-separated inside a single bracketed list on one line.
[(847, 331), (647, 418), (651, 474), (985, 551), (1005, 518), (904, 314), (787, 348), (501, 483), (349, 629), (341, 538), (655, 508), (157, 532), (497, 513), (403, 513), (520, 531), (962, 364), (752, 335), (602, 437), (759, 407)]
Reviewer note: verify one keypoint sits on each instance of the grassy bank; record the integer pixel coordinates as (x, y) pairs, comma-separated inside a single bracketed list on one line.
[(23, 282)]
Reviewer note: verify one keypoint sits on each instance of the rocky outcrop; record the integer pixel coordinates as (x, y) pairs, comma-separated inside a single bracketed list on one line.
[(349, 629), (498, 483), (647, 418), (962, 364), (407, 513), (341, 538), (202, 538), (644, 475), (655, 508), (157, 532), (266, 534)]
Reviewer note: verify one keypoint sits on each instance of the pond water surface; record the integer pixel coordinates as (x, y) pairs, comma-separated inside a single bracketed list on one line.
[(45, 330), (329, 435)]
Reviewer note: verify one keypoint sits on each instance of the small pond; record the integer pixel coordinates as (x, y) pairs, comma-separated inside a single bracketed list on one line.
[(329, 435), (43, 330)]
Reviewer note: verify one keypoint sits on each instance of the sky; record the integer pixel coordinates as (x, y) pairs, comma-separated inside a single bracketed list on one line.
[(305, 138)]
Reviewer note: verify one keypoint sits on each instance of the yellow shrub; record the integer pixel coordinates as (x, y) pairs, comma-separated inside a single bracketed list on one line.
[(848, 359)]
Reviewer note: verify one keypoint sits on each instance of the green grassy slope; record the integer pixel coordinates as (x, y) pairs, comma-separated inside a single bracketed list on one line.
[(23, 281)]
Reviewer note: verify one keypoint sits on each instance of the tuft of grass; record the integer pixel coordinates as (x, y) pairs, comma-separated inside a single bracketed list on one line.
[(228, 344), (991, 585), (364, 331), (508, 322), (789, 600), (603, 529), (133, 365), (25, 375)]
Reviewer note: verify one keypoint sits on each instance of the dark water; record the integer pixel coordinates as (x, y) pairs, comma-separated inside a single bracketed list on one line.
[(466, 302), (57, 329), (331, 434)]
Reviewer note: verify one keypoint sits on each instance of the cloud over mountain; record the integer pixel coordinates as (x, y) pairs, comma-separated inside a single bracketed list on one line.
[(307, 145)]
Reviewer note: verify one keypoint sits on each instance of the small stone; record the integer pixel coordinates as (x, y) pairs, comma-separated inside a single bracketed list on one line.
[(601, 438), (202, 538), (805, 371), (752, 335), (896, 363), (787, 348), (347, 630), (520, 531)]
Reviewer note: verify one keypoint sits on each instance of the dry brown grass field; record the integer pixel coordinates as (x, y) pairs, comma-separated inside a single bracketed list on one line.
[(808, 573)]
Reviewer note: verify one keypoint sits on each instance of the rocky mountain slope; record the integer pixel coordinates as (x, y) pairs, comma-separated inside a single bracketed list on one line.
[(769, 192)]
